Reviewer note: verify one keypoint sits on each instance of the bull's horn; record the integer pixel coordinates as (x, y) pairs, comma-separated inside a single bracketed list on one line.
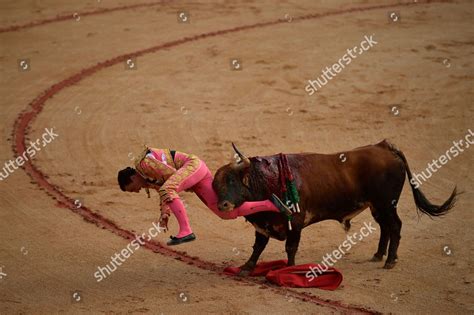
[(245, 160)]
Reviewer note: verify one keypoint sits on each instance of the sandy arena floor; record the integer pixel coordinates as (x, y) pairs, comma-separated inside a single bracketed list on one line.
[(66, 65)]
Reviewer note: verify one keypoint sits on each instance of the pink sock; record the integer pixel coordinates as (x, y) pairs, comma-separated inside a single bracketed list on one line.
[(251, 207), (179, 211)]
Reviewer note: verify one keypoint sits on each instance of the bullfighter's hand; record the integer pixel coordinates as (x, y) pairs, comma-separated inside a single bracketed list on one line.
[(164, 221)]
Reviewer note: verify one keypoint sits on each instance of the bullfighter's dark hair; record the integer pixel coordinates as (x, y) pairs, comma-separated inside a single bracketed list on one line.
[(124, 177)]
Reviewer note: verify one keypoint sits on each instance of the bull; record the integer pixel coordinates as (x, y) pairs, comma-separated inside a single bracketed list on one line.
[(331, 187)]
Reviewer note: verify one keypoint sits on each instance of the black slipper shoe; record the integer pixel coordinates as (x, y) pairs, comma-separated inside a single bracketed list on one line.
[(179, 240)]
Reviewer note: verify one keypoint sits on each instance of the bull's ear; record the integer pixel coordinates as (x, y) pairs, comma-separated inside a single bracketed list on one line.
[(246, 180)]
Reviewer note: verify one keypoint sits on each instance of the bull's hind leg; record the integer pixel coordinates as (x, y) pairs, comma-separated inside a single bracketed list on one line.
[(390, 227), (261, 242), (291, 245), (385, 197), (395, 229), (384, 235)]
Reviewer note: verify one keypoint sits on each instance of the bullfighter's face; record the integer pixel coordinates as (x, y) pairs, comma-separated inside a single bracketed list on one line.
[(136, 184)]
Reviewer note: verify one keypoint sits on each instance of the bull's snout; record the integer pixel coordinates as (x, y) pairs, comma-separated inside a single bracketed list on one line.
[(225, 205)]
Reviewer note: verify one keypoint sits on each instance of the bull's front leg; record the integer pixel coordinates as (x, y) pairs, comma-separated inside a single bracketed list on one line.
[(291, 245), (261, 242)]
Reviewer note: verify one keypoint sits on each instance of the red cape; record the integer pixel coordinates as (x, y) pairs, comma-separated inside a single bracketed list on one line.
[(300, 276)]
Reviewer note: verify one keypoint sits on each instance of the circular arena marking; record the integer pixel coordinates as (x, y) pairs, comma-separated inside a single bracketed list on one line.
[(23, 121)]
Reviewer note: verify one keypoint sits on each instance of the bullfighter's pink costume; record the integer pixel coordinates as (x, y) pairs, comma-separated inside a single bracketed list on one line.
[(189, 173)]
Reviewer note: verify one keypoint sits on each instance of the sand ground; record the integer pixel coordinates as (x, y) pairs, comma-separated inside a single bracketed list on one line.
[(188, 97)]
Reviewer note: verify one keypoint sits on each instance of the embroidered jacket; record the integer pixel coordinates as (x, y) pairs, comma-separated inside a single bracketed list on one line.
[(156, 165)]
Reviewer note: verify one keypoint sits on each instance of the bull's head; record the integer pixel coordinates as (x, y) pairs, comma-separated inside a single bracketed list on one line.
[(231, 182)]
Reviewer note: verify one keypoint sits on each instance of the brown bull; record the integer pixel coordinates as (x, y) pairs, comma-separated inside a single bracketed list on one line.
[(331, 187)]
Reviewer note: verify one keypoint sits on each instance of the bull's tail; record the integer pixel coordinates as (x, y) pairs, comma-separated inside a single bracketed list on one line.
[(422, 203)]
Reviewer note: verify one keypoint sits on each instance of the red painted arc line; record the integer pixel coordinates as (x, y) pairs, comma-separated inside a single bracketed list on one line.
[(24, 120), (65, 17)]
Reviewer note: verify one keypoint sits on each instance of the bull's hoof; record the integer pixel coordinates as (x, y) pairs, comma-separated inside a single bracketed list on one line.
[(244, 272), (389, 265), (376, 258)]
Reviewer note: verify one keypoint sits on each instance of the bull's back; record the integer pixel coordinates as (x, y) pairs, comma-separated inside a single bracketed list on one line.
[(333, 185)]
